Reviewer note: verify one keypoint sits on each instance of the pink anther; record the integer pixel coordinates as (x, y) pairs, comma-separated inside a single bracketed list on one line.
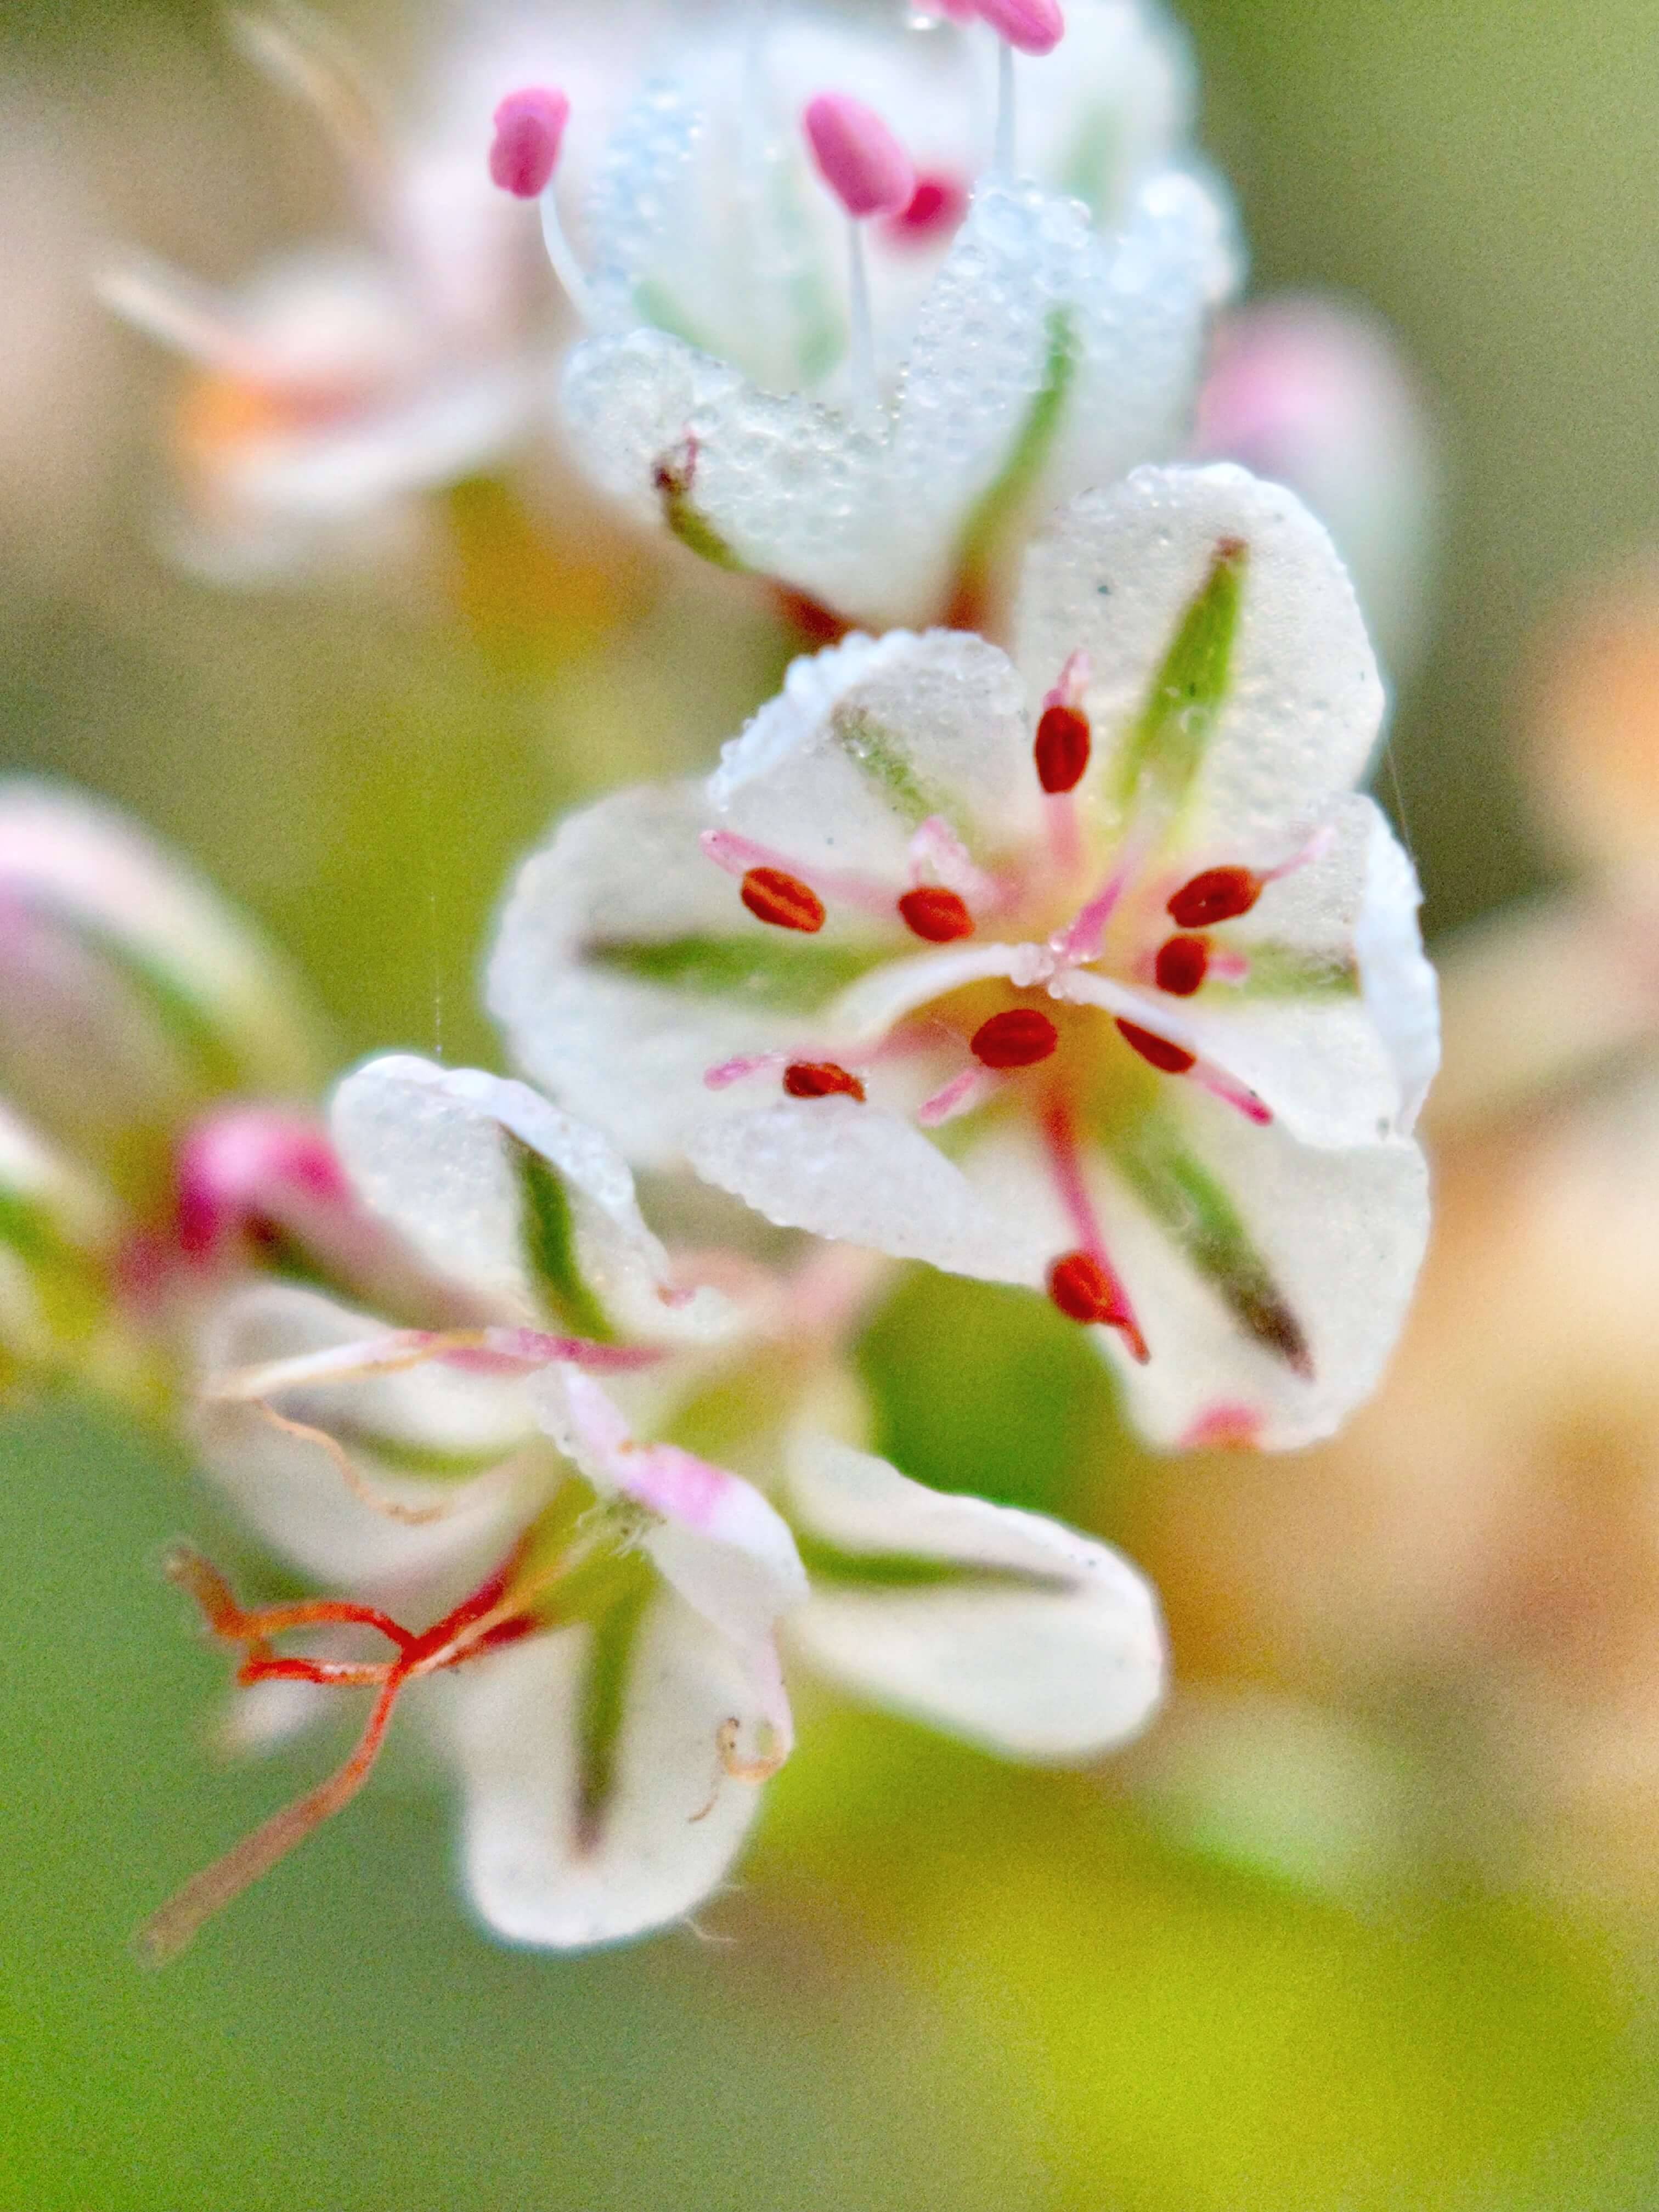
[(251, 1167), (858, 156), (529, 131), (1035, 27)]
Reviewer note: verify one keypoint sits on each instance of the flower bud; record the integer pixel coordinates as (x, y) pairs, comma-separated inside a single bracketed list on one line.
[(128, 994)]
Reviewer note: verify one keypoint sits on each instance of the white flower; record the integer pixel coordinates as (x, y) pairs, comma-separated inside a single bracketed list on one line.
[(863, 408), (606, 1609), (340, 382), (1087, 968)]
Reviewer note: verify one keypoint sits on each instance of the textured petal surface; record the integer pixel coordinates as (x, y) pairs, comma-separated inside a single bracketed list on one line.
[(439, 1153), (1304, 702), (1046, 1646), (869, 740), (849, 1172), (543, 1866)]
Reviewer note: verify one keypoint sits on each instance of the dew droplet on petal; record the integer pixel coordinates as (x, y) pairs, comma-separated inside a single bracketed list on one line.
[(936, 915), (772, 895), (1019, 1038), (821, 1078)]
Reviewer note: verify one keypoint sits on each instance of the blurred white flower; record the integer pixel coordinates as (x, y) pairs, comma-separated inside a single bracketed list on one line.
[(861, 397), (1087, 968), (493, 1477), (1316, 394)]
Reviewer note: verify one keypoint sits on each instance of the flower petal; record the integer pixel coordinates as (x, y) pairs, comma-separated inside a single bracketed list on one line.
[(626, 966), (847, 1170), (483, 1176), (1296, 701), (1033, 1641), (552, 1859), (414, 1436), (870, 740)]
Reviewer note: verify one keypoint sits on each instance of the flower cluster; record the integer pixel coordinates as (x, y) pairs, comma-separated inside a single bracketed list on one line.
[(1083, 966)]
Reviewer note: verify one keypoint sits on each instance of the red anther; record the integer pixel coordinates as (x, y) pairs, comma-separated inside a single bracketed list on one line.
[(1157, 1052), (936, 207), (1218, 895), (770, 894), (1019, 1038), (935, 913), (1181, 965), (1063, 740), (821, 1078), (858, 156), (1082, 1290), (529, 130)]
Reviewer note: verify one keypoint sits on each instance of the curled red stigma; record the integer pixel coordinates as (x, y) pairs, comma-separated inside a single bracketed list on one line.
[(1217, 895), (1061, 751), (1157, 1052), (936, 915), (821, 1078), (1084, 1291), (1181, 965), (1019, 1038), (783, 900)]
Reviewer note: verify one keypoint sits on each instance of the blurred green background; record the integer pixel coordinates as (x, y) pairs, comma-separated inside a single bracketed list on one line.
[(940, 1984)]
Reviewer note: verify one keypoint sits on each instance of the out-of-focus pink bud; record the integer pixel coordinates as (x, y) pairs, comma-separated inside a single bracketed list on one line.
[(250, 1171), (858, 156), (529, 131), (128, 994), (1315, 394), (1035, 27)]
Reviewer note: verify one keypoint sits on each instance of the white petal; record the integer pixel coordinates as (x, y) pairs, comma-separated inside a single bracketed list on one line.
[(727, 1552), (74, 860), (847, 1170), (1339, 1233), (868, 740), (426, 1146), (1303, 703), (625, 1052), (291, 1491), (1060, 1656), (673, 1822), (1402, 995)]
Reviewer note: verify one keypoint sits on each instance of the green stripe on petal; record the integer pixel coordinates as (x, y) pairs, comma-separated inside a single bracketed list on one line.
[(1166, 746), (898, 1571), (880, 753), (547, 1228), (768, 971), (614, 1639), (686, 520), (1193, 1208), (1001, 500), (1285, 971)]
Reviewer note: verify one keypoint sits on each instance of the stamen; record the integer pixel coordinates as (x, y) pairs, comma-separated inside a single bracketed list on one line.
[(529, 131), (1216, 895), (1157, 1051), (936, 915), (740, 855), (1019, 1038), (821, 1079), (961, 1095), (1035, 27), (936, 208), (1084, 1284), (871, 174), (736, 1071), (1063, 743), (1183, 963), (783, 900)]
